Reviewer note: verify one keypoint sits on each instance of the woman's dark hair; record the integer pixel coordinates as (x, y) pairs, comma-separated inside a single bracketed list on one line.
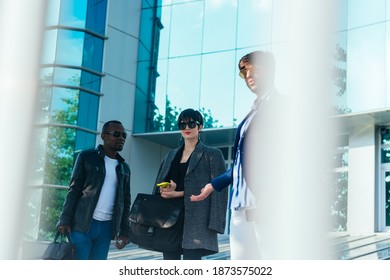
[(190, 114)]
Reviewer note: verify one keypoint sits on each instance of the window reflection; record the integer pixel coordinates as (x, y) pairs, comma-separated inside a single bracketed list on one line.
[(214, 23), (363, 12), (84, 140), (53, 11), (186, 29), (79, 49), (387, 199), (88, 14), (338, 199), (70, 47), (366, 73), (339, 75), (64, 106), (59, 155), (183, 85), (77, 78), (202, 30), (254, 23), (89, 105), (73, 13), (217, 84), (49, 47)]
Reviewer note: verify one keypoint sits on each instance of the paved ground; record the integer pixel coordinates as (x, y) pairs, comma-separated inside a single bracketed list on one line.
[(133, 252)]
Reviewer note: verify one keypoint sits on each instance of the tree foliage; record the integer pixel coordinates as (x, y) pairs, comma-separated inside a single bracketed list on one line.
[(58, 162)]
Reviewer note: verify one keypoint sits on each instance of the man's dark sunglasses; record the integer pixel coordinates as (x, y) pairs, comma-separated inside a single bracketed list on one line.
[(117, 134), (191, 125)]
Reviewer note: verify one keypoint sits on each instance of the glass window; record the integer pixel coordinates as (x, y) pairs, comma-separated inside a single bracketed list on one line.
[(366, 72), (96, 16), (363, 12), (70, 47), (32, 214), (385, 133), (84, 140), (184, 83), (385, 143), (146, 28), (44, 104), (186, 29), (387, 199), (77, 78), (53, 12), (49, 47), (59, 155), (73, 13), (93, 53), (89, 106), (339, 201), (254, 23), (42, 212), (163, 48), (339, 75), (341, 14), (38, 151), (161, 85), (64, 106), (88, 14), (90, 81), (46, 76), (217, 84), (220, 21), (67, 77), (386, 155), (79, 49)]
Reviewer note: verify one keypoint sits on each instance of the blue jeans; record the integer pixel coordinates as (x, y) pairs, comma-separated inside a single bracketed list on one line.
[(94, 244)]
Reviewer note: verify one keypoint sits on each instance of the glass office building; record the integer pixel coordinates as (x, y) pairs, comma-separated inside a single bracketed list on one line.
[(143, 61)]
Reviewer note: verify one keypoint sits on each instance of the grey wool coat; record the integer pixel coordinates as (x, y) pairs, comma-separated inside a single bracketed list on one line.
[(204, 219)]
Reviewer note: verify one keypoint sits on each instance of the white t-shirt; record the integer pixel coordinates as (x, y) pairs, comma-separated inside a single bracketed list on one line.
[(105, 206)]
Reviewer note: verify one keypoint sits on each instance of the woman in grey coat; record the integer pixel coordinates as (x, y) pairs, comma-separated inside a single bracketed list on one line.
[(188, 169)]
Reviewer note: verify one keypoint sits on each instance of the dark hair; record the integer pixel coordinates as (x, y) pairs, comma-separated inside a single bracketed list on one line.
[(260, 58), (190, 114), (107, 124)]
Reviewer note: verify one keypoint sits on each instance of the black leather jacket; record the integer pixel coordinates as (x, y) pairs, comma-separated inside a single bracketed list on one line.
[(84, 190)]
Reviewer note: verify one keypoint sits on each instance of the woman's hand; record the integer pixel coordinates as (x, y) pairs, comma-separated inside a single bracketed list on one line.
[(170, 191), (204, 193)]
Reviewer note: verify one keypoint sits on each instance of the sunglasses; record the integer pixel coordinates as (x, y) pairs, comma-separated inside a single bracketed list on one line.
[(191, 125), (117, 134), (244, 71)]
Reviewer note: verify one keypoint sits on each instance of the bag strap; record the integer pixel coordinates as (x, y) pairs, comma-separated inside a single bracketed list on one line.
[(67, 235)]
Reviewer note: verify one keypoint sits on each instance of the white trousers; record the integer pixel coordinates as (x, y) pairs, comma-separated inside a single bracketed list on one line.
[(244, 237)]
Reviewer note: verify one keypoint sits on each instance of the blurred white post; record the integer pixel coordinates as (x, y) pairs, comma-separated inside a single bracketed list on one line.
[(20, 36), (293, 202)]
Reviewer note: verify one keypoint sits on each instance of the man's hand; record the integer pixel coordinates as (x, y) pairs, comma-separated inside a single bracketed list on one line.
[(63, 229), (121, 241), (204, 193)]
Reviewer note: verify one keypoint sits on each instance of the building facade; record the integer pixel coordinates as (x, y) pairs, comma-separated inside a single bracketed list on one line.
[(143, 61)]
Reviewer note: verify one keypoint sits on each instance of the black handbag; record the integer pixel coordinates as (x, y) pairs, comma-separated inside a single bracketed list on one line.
[(156, 223), (63, 249)]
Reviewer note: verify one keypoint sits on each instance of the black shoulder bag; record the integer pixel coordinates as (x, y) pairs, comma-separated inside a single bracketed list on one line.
[(156, 223)]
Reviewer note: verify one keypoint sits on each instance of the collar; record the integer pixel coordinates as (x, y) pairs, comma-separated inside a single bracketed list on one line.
[(264, 98), (102, 154)]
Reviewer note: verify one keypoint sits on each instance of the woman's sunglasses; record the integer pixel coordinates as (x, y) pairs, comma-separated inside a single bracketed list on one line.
[(191, 124)]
